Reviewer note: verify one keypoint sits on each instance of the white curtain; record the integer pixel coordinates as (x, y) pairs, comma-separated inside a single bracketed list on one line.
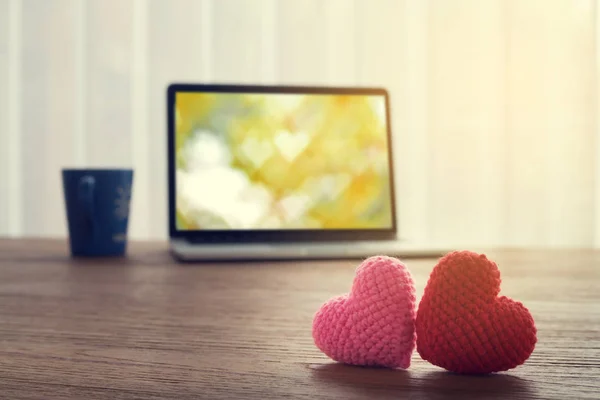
[(495, 112)]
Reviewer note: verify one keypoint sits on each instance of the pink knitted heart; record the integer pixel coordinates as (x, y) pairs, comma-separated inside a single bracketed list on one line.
[(373, 325)]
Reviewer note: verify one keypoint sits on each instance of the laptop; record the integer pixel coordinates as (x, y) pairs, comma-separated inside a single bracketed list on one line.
[(281, 172)]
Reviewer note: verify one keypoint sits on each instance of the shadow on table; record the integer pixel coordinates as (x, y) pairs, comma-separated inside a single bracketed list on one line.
[(442, 384), (417, 384)]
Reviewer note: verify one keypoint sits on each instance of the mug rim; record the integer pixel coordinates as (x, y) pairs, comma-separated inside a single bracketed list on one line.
[(96, 169)]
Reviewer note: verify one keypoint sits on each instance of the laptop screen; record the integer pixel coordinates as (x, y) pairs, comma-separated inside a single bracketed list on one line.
[(281, 161)]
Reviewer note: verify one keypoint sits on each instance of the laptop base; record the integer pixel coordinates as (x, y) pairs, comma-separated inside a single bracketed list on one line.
[(186, 251)]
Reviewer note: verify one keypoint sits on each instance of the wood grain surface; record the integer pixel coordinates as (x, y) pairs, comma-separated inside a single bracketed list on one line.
[(144, 327)]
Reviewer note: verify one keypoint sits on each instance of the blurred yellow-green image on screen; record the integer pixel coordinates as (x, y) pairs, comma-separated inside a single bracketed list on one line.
[(281, 161)]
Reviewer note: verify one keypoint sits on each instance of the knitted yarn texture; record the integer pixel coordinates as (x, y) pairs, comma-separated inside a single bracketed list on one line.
[(463, 325), (374, 324)]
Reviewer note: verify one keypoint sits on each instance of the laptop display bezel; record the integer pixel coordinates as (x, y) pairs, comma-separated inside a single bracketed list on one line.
[(272, 235)]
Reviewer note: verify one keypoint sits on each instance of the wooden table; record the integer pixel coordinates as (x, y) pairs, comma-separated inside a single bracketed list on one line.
[(144, 327)]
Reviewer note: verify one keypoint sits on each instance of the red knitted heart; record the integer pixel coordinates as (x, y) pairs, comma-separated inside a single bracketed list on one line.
[(374, 325), (463, 326)]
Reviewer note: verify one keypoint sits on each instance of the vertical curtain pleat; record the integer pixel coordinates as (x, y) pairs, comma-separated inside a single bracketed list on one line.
[(550, 123), (316, 43), (179, 49), (4, 124), (49, 98), (108, 78), (238, 46), (79, 112), (411, 124), (596, 145), (466, 113), (141, 214), (13, 137), (301, 47), (342, 58)]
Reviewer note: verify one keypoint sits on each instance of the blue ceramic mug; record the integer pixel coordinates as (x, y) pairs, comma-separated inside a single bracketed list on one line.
[(97, 206)]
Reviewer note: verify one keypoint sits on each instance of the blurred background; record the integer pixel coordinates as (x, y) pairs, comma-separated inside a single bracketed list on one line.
[(494, 102)]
